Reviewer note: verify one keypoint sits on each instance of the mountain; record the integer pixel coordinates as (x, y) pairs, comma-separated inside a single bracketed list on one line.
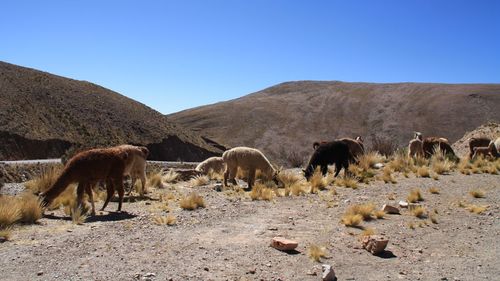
[(289, 117), (43, 115)]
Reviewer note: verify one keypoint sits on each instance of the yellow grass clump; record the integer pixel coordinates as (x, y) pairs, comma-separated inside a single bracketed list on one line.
[(415, 196), (10, 212), (261, 192), (78, 215), (348, 182), (214, 175), (476, 209), (192, 202), (379, 214), (43, 182), (171, 176), (433, 218), (477, 193), (387, 175), (423, 172), (155, 180), (6, 233), (317, 181), (434, 190), (165, 220), (199, 181), (368, 160), (419, 212), (30, 207), (351, 220), (365, 210), (316, 252)]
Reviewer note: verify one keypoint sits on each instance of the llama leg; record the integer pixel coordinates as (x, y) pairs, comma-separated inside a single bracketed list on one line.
[(121, 192), (110, 189), (346, 168), (338, 167), (324, 169), (143, 182), (226, 175), (88, 189), (251, 178), (79, 194)]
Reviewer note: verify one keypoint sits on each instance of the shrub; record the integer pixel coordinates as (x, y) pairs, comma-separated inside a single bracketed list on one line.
[(192, 202), (316, 252)]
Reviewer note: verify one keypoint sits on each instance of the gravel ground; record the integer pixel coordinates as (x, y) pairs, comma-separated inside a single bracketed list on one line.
[(229, 238)]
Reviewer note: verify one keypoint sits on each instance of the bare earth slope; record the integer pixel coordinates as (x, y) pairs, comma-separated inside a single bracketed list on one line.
[(292, 115), (42, 115)]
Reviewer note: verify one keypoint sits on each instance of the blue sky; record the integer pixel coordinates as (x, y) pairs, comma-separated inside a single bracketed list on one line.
[(173, 55)]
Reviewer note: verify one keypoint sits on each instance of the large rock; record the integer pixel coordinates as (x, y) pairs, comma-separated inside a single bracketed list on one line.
[(388, 209), (283, 244), (375, 244), (328, 273)]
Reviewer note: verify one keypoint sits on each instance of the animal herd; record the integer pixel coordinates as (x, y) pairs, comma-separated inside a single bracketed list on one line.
[(110, 165)]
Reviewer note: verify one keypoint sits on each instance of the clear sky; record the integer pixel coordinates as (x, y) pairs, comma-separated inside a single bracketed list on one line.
[(173, 55)]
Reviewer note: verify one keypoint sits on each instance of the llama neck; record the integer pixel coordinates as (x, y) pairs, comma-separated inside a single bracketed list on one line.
[(58, 187)]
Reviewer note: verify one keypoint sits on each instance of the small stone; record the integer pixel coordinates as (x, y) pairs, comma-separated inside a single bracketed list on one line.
[(403, 204), (375, 244), (328, 273), (2, 239), (218, 187), (390, 209), (69, 230), (273, 228), (148, 203), (252, 271), (206, 269), (378, 165), (39, 273), (150, 274), (283, 244)]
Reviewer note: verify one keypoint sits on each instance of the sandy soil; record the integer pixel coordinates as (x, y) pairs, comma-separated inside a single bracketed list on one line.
[(229, 238)]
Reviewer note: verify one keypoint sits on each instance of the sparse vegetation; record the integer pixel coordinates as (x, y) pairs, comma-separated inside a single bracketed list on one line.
[(423, 172), (387, 175), (261, 192), (434, 190), (365, 210), (415, 196), (476, 209), (351, 220), (317, 181), (316, 252), (165, 220), (30, 207), (155, 180), (10, 212), (348, 182), (78, 216), (192, 202), (199, 181), (477, 193), (379, 214), (171, 176), (419, 212)]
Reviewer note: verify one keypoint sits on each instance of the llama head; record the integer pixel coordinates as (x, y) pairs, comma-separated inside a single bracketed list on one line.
[(359, 139), (308, 172)]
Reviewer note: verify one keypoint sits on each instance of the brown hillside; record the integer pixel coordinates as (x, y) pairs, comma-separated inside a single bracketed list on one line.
[(42, 115), (290, 116)]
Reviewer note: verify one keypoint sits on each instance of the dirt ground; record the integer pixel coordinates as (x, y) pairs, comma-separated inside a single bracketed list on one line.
[(229, 238)]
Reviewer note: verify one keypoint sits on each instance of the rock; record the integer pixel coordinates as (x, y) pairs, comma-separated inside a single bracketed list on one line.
[(388, 209), (378, 165), (149, 274), (283, 244), (252, 271), (403, 204), (2, 239), (218, 187), (328, 273), (39, 273), (375, 244)]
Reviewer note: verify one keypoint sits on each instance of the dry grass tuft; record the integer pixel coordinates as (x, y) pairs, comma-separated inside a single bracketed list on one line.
[(434, 190), (387, 175), (10, 212), (317, 181), (477, 193), (155, 180), (30, 207), (214, 175), (440, 164), (348, 182), (192, 202), (367, 232), (171, 176), (476, 209), (199, 181), (423, 172), (165, 220), (433, 218), (297, 189), (365, 210), (352, 220), (78, 216), (419, 212), (45, 180), (415, 196), (411, 225), (316, 252), (6, 233), (289, 178), (368, 160), (261, 192), (379, 214)]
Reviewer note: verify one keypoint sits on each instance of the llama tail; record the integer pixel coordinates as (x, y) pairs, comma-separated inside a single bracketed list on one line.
[(58, 187)]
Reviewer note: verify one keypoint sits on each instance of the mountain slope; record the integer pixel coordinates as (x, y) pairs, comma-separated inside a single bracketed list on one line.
[(42, 115), (292, 115)]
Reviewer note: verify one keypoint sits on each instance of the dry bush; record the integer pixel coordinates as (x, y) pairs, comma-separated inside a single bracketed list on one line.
[(360, 174), (289, 178), (477, 193), (415, 196), (476, 209), (423, 172), (348, 182), (411, 225), (383, 146), (387, 175), (155, 180), (45, 181), (365, 210), (165, 220), (367, 232), (434, 190), (379, 214), (368, 160), (192, 202), (316, 252), (352, 220), (78, 215), (261, 192), (401, 162), (10, 212), (6, 233), (171, 176), (317, 181), (419, 212), (30, 207), (297, 189), (464, 166), (440, 164), (199, 181)]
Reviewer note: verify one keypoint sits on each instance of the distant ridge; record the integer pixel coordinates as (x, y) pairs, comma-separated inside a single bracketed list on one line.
[(292, 115), (42, 115)]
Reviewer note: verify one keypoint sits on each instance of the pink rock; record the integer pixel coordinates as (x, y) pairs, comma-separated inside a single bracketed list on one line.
[(283, 244)]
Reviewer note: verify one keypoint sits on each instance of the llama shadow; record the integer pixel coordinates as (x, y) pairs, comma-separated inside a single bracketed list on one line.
[(109, 217), (291, 252), (134, 198)]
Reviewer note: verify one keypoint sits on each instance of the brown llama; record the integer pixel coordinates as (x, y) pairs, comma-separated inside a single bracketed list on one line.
[(477, 142), (488, 151), (415, 146), (136, 165), (429, 145), (87, 168)]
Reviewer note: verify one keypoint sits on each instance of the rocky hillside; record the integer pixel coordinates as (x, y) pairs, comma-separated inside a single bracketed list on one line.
[(490, 130), (291, 116), (42, 115)]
